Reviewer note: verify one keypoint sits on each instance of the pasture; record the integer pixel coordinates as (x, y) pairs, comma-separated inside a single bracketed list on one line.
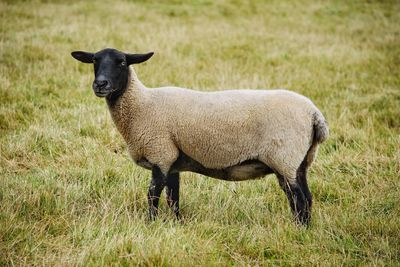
[(70, 195)]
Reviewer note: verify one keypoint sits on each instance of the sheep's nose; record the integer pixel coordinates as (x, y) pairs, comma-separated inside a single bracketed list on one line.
[(101, 83)]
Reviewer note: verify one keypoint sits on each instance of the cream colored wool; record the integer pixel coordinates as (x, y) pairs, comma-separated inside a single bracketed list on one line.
[(218, 129)]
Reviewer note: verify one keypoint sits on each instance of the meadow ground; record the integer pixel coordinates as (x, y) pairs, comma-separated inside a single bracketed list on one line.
[(70, 195)]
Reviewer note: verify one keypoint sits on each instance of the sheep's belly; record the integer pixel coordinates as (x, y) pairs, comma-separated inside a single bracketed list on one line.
[(247, 170), (250, 169)]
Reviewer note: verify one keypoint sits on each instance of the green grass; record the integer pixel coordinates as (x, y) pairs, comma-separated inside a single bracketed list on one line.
[(70, 195)]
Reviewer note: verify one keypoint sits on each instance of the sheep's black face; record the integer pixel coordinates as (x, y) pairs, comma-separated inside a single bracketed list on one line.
[(111, 70)]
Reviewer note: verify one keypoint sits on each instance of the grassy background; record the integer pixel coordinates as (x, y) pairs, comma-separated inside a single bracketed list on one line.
[(69, 194)]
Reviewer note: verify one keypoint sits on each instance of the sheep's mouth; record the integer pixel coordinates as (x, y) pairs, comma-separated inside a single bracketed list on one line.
[(101, 94)]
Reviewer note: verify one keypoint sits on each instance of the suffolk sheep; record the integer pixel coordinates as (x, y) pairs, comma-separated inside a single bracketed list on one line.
[(231, 135)]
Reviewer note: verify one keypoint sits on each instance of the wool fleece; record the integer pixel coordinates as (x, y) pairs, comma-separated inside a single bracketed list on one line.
[(220, 129)]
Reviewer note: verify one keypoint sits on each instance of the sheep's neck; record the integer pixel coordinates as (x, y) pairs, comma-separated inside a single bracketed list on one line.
[(126, 107)]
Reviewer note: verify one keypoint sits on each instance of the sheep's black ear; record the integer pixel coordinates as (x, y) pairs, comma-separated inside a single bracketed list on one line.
[(137, 58), (84, 57)]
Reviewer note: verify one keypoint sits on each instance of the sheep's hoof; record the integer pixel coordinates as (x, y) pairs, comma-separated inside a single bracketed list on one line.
[(303, 218), (153, 213)]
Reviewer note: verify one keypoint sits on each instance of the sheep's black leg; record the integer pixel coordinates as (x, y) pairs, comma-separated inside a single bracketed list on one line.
[(173, 192), (157, 184), (302, 181), (297, 200)]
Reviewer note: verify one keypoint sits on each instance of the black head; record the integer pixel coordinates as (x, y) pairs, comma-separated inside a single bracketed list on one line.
[(111, 69)]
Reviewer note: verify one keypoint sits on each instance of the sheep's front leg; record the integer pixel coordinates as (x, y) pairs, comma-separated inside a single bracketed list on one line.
[(157, 184), (173, 192)]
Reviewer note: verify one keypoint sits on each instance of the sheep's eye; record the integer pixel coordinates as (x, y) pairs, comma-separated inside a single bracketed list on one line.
[(123, 63)]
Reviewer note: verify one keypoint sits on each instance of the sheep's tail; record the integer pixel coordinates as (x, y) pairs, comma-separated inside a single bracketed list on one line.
[(321, 129), (321, 133)]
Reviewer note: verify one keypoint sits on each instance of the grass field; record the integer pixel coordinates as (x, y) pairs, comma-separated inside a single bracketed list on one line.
[(70, 195)]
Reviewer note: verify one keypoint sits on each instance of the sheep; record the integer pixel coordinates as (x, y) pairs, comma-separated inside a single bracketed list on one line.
[(232, 135)]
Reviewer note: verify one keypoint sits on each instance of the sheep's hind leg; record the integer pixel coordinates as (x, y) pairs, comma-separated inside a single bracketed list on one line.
[(302, 181), (297, 195), (173, 192), (157, 184)]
